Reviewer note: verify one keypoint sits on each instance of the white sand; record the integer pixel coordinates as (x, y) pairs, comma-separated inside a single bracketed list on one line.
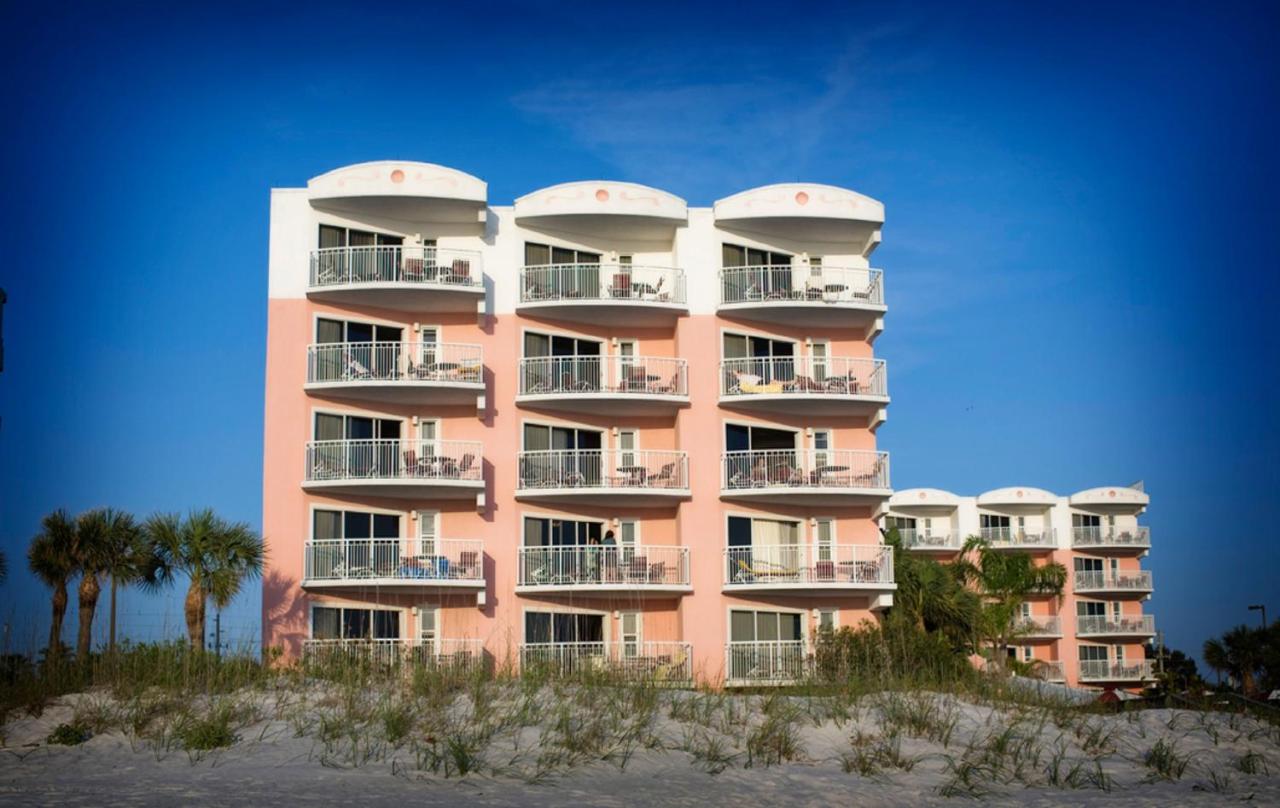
[(271, 762)]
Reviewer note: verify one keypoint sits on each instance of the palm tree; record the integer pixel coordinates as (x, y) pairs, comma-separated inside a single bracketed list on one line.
[(1004, 580), (1238, 653), (52, 558), (930, 596), (126, 555), (217, 556), (93, 537)]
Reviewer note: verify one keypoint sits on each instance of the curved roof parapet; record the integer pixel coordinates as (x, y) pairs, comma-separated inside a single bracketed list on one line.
[(603, 204), (804, 210), (400, 189), (923, 497), (1114, 495), (1018, 496)]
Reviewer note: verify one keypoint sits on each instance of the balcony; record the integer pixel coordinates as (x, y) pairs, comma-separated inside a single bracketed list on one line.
[(400, 277), (604, 294), (462, 655), (419, 566), (636, 571), (658, 662), (781, 662), (1137, 582), (1113, 539), (832, 386), (1098, 625), (793, 295), (604, 476), (444, 469), (621, 385), (809, 569), (930, 541), (827, 477), (397, 372), (1048, 670), (1036, 628), (1101, 670), (1040, 540)]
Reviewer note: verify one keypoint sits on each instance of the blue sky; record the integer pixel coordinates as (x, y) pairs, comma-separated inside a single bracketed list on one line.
[(1079, 253)]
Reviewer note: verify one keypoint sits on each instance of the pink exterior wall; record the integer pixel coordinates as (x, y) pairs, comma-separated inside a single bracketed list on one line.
[(699, 523)]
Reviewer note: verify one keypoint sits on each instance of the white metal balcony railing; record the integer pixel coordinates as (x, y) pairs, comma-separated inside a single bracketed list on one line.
[(657, 661), (605, 282), (584, 375), (1103, 670), (394, 459), (457, 653), (1018, 537), (918, 539), (605, 469), (1133, 581), (410, 560), (1039, 626), (795, 468), (781, 564), (1139, 536), (398, 264), (803, 376), (357, 362), (1049, 670), (786, 283), (626, 565), (1104, 624), (765, 663)]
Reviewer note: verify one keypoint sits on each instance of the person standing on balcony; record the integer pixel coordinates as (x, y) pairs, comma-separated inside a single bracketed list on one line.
[(593, 560)]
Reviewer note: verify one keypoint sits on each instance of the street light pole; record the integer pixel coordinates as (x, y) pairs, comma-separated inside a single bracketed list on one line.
[(1260, 607)]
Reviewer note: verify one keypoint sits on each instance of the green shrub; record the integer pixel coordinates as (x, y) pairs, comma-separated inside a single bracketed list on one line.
[(68, 735)]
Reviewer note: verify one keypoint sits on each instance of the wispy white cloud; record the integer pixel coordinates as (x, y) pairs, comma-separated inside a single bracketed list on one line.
[(770, 121)]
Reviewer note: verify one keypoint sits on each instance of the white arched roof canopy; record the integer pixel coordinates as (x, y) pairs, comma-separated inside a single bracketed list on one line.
[(401, 189), (604, 207), (1017, 495), (805, 212)]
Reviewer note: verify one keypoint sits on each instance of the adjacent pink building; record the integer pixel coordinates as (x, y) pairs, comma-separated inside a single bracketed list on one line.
[(593, 427)]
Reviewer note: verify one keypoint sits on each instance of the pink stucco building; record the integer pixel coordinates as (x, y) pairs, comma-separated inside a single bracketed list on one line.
[(595, 426)]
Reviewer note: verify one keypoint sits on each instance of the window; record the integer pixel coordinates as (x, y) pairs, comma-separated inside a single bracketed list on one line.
[(543, 254), (329, 426), (428, 528), (1085, 520), (995, 527), (428, 623), (560, 272), (331, 525), (1083, 564), (819, 352), (334, 236), (827, 619), (822, 441), (628, 443), (333, 623), (629, 532), (755, 360), (560, 363), (902, 524), (1093, 653), (547, 532), (826, 534), (631, 638), (1090, 608), (761, 626), (758, 547), (563, 627), (736, 255)]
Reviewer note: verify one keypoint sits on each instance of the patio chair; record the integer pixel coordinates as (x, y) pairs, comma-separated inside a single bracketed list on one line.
[(460, 271), (638, 569), (468, 564), (468, 460), (355, 370), (824, 571), (665, 478), (621, 285), (658, 572)]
